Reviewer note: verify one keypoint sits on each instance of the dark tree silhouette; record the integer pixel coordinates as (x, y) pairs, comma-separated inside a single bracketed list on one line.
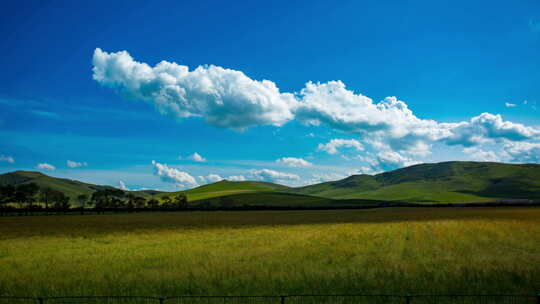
[(82, 199), (61, 201), (180, 201), (153, 203), (7, 194), (46, 195), (108, 198), (26, 194), (140, 202)]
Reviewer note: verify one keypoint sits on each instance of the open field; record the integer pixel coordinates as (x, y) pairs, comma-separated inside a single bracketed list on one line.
[(390, 250)]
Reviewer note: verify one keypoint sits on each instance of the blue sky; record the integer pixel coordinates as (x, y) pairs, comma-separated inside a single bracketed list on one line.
[(289, 91)]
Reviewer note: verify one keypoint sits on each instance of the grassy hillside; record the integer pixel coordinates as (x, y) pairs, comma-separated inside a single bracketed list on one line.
[(225, 187), (278, 199), (429, 183), (69, 187), (440, 182)]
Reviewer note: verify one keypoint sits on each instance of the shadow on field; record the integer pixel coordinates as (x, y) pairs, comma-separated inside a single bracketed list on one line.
[(83, 225)]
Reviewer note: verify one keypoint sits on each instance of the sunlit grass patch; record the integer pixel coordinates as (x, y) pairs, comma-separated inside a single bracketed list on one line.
[(392, 250)]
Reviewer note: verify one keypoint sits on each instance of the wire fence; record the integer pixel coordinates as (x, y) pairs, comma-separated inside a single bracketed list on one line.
[(289, 299)]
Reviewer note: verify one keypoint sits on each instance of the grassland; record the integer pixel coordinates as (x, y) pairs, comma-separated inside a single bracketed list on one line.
[(391, 250), (446, 182), (441, 182), (224, 188), (70, 188)]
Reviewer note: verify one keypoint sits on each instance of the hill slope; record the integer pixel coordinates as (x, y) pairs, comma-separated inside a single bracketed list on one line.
[(440, 182), (69, 187), (225, 187)]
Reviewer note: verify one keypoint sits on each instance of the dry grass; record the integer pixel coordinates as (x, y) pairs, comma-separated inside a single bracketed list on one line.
[(393, 250)]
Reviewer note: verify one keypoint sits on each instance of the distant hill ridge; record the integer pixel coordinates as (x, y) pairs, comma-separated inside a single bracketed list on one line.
[(69, 187), (454, 181)]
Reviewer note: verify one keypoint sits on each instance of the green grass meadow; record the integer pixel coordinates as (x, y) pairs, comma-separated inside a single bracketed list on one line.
[(389, 250)]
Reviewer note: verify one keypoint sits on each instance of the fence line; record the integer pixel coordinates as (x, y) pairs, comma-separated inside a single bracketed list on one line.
[(281, 299)]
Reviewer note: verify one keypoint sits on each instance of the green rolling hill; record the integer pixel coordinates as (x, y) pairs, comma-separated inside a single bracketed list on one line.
[(424, 183), (225, 187), (69, 187), (439, 182), (277, 199)]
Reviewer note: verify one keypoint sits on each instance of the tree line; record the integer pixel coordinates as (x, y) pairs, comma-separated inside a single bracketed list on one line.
[(32, 197)]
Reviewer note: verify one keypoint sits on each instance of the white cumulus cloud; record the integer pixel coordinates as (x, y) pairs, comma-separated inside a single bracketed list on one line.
[(236, 178), (510, 105), (45, 166), (122, 186), (479, 154), (488, 127), (294, 162), (222, 97), (389, 160), (324, 177), (523, 152), (74, 164), (214, 178), (172, 175), (230, 99), (197, 157), (272, 175), (333, 145)]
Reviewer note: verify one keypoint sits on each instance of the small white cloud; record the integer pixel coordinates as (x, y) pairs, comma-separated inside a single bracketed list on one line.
[(365, 170), (74, 164), (122, 186), (197, 157), (479, 154), (45, 166), (272, 175), (510, 105), (324, 177), (7, 159), (172, 175), (210, 178), (294, 162), (214, 178), (523, 152), (389, 160), (236, 178), (333, 145)]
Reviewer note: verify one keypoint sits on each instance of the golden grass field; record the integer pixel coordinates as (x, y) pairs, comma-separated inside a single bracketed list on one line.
[(390, 250)]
